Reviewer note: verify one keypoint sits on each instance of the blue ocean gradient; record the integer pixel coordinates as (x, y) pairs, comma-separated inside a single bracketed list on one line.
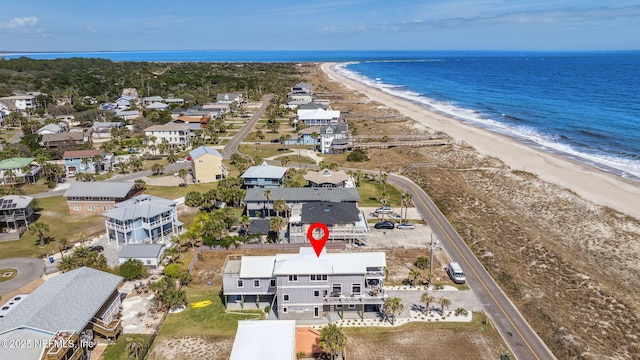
[(581, 105)]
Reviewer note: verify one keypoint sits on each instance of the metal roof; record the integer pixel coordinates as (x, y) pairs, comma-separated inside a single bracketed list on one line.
[(15, 202), (167, 127), (306, 262), (65, 302), (257, 266), (264, 340), (202, 150), (141, 206), (332, 194), (99, 189), (318, 114), (15, 163), (138, 251), (18, 336), (265, 171)]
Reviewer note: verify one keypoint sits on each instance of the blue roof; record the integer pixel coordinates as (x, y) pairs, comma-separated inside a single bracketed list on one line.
[(265, 171), (200, 151)]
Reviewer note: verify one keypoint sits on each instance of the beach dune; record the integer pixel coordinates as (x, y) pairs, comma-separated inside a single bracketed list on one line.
[(590, 183)]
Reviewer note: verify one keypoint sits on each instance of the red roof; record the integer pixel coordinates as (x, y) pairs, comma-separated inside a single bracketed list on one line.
[(81, 153)]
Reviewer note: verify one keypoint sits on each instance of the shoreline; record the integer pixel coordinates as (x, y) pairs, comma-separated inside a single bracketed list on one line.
[(588, 182)]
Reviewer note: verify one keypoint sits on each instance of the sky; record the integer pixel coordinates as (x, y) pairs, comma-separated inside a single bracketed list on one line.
[(97, 25)]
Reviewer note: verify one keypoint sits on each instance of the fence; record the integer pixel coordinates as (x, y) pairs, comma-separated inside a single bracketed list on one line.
[(153, 336)]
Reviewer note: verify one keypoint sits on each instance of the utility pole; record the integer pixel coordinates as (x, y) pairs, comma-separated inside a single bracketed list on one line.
[(432, 246)]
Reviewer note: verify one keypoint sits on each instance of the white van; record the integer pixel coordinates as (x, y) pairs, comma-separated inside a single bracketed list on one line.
[(455, 273)]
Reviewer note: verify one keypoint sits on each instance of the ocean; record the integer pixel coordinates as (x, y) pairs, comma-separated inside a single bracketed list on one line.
[(581, 105)]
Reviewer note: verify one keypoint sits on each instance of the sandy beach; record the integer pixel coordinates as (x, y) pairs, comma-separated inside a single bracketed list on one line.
[(588, 182)]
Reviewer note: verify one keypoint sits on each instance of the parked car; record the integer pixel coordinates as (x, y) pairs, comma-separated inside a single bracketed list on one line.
[(181, 161), (189, 158), (384, 210), (97, 248), (384, 225), (406, 225), (455, 273)]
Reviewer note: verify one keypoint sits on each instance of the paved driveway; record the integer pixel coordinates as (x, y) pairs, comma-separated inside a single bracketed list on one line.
[(459, 299), (29, 269)]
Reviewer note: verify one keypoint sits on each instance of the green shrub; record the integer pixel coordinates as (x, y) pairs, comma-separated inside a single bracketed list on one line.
[(133, 269)]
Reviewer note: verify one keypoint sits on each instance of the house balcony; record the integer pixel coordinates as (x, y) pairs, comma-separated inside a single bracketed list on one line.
[(109, 330), (63, 345), (375, 295)]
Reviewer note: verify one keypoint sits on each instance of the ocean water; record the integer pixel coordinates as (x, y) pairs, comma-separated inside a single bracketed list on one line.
[(582, 105)]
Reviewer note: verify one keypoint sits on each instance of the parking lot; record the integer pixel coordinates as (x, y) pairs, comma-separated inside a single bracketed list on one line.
[(417, 238)]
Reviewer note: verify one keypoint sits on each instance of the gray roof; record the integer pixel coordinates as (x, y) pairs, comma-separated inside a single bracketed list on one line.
[(259, 226), (94, 189), (50, 127), (141, 251), (18, 336), (141, 206), (312, 105), (20, 202), (105, 124), (65, 302), (73, 136), (202, 150), (265, 171), (331, 194), (329, 213), (153, 98)]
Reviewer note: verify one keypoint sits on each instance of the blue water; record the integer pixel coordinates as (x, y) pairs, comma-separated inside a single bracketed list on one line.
[(585, 106)]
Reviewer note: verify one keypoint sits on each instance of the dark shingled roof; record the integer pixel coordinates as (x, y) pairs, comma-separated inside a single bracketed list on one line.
[(329, 213), (259, 226), (331, 194)]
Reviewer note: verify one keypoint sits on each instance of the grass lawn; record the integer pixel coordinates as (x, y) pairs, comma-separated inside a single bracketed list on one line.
[(264, 150), (38, 187), (118, 350), (208, 321), (174, 192), (371, 192), (13, 272), (54, 213)]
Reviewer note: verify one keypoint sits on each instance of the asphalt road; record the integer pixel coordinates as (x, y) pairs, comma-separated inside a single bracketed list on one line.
[(522, 340), (232, 145), (29, 269)]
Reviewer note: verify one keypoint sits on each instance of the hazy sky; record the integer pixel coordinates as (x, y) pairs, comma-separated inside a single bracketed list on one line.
[(75, 25)]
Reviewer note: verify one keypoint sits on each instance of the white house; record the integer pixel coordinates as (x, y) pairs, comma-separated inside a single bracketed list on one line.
[(149, 254), (21, 102), (174, 135), (318, 116), (128, 114), (157, 106), (49, 129), (328, 136)]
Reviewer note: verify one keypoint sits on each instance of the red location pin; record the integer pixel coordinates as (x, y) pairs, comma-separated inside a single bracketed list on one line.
[(318, 244)]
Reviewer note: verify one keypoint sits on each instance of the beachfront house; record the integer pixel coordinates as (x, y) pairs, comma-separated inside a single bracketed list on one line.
[(264, 176), (256, 202), (206, 165), (331, 136), (308, 287), (343, 219), (64, 309), (305, 137), (318, 117), (95, 198), (144, 219)]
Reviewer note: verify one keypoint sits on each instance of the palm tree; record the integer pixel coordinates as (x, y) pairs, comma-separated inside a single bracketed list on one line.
[(39, 228), (279, 205), (444, 303), (427, 300), (276, 224), (383, 179), (245, 221), (392, 307), (183, 174), (67, 263), (134, 347), (157, 168), (414, 275), (332, 340), (267, 195), (64, 241), (9, 175), (407, 200)]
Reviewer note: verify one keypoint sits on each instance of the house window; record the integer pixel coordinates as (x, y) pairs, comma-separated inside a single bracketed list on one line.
[(316, 312), (318, 277), (352, 306), (284, 310), (256, 283), (91, 208), (285, 297), (293, 278), (355, 289), (105, 208), (240, 283), (148, 262), (76, 208), (273, 283), (316, 293)]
